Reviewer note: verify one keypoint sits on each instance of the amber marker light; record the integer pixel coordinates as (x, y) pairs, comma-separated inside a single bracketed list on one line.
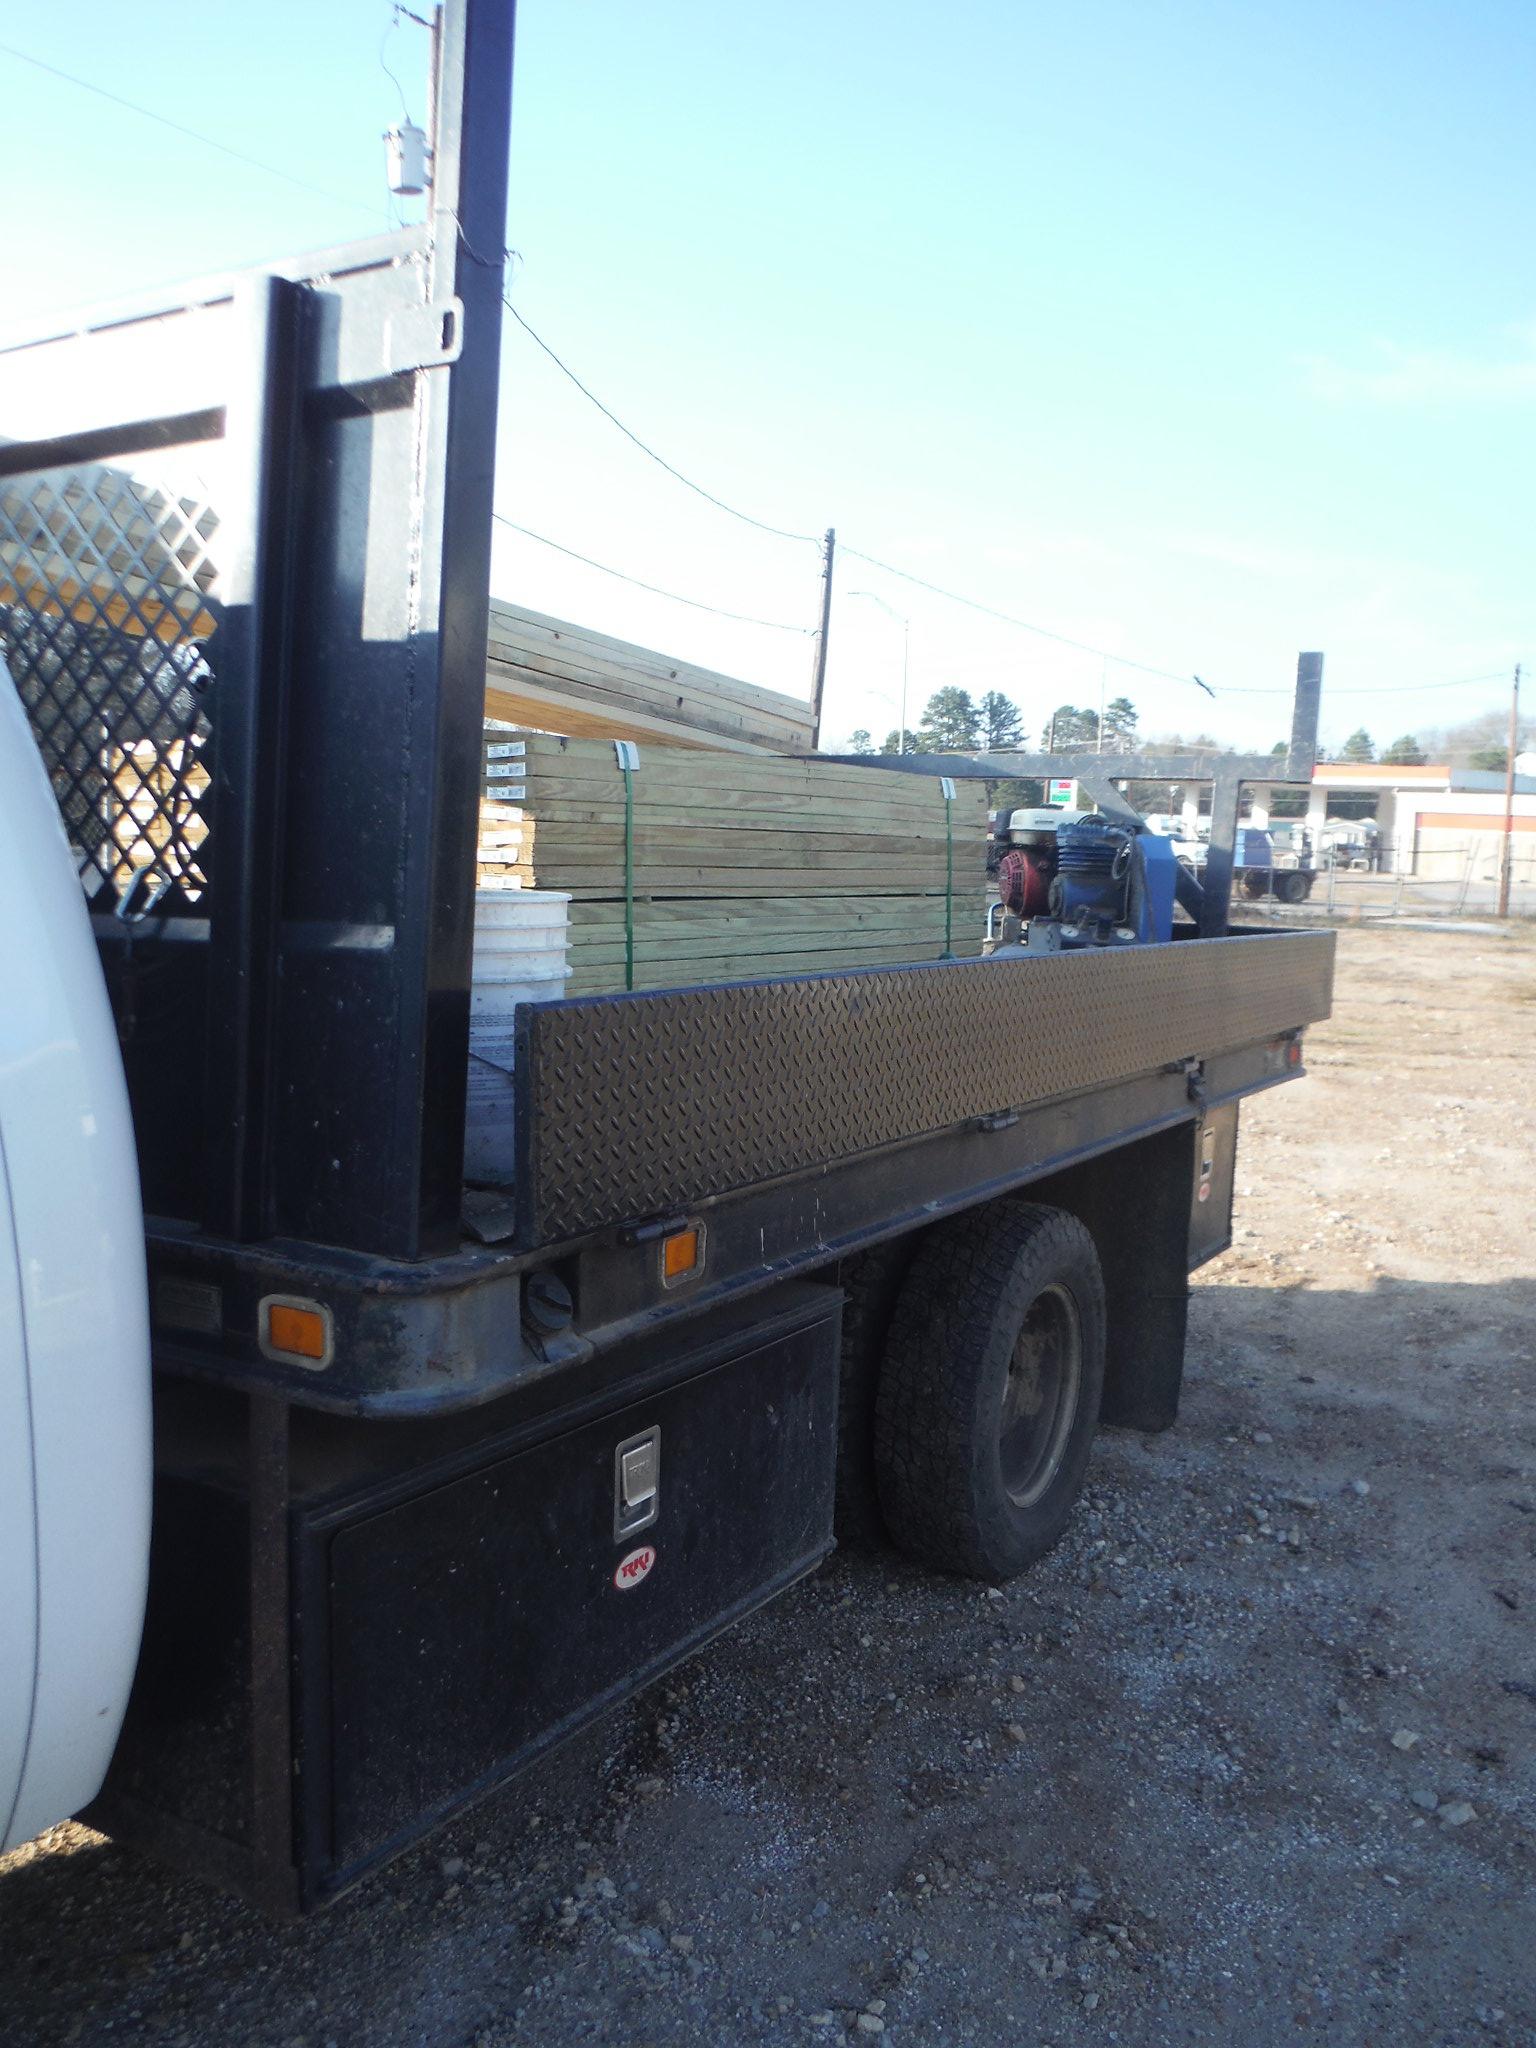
[(682, 1254), (295, 1331)]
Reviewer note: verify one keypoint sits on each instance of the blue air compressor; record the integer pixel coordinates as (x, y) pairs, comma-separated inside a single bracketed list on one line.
[(1114, 886)]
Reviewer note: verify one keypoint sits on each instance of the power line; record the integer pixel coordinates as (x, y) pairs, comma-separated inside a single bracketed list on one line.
[(779, 532), (384, 66), (255, 163), (922, 583), (1043, 632), (1378, 689), (697, 604)]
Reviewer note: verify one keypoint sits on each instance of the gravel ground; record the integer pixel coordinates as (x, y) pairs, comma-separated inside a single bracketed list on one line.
[(1249, 1758)]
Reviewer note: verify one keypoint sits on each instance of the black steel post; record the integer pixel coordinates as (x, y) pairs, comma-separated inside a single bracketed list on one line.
[(249, 655), (473, 111), (1216, 878), (387, 701), (271, 1668)]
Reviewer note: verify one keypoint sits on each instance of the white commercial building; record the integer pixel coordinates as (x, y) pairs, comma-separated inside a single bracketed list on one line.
[(1436, 822)]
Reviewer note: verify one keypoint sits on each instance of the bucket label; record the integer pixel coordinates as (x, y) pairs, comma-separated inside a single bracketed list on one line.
[(632, 1569)]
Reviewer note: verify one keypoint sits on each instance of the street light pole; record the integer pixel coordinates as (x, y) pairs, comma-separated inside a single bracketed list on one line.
[(906, 657), (906, 660)]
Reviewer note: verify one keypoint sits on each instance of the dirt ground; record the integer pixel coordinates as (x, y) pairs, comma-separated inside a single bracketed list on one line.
[(1250, 1759)]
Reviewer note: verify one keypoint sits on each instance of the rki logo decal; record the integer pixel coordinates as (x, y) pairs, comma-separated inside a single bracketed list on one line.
[(632, 1569)]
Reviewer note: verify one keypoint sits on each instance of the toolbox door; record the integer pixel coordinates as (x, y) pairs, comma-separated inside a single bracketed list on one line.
[(473, 1624)]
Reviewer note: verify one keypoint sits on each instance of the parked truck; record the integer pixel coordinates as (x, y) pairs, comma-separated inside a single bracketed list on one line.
[(1264, 863), (423, 1475)]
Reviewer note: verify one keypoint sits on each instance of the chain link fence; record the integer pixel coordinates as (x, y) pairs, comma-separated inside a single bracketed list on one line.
[(1377, 879)]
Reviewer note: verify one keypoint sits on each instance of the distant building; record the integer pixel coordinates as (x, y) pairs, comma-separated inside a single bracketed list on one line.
[(1433, 821)]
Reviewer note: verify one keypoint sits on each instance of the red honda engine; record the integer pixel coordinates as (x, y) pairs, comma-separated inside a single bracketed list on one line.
[(1030, 836)]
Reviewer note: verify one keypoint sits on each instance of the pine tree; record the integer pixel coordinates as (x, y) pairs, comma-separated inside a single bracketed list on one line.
[(1002, 726), (1120, 722), (860, 742), (1358, 746), (891, 744), (950, 724), (1405, 753)]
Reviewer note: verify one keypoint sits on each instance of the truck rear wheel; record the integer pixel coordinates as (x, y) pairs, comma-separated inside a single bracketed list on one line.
[(989, 1390), (1293, 888)]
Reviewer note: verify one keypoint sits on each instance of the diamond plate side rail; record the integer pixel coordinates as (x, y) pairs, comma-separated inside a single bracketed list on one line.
[(633, 1106)]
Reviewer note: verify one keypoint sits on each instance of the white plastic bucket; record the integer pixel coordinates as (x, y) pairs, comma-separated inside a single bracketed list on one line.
[(519, 910), (493, 998), (507, 953), (520, 957), (520, 952)]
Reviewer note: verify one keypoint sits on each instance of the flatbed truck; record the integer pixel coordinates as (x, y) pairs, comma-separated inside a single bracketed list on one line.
[(438, 1472)]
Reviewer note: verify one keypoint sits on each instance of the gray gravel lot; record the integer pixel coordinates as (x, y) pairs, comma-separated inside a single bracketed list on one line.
[(1248, 1759)]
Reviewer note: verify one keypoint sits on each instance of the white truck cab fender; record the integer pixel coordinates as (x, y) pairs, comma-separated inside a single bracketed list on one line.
[(74, 1325)]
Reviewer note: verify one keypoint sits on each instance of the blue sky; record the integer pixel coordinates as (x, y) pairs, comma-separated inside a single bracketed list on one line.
[(1202, 333)]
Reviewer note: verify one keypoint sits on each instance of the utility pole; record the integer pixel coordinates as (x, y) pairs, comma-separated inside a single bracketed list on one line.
[(819, 654), (434, 77), (1507, 858)]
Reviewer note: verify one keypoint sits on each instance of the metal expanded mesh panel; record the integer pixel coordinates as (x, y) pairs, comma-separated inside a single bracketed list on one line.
[(633, 1106), (107, 600)]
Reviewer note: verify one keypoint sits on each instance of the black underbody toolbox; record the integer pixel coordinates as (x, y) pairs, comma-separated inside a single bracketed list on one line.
[(465, 1594)]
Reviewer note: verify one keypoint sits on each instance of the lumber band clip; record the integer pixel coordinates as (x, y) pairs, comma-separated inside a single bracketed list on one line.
[(627, 754), (947, 790)]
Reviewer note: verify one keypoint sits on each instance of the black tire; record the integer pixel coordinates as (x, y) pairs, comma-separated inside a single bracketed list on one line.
[(1255, 886), (988, 1301), (1293, 888)]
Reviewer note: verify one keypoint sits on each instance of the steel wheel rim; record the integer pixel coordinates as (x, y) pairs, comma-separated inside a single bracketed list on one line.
[(1040, 1395)]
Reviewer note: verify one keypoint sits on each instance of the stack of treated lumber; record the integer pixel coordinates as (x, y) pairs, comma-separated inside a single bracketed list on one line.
[(505, 831), (735, 865), (680, 943), (547, 673)]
